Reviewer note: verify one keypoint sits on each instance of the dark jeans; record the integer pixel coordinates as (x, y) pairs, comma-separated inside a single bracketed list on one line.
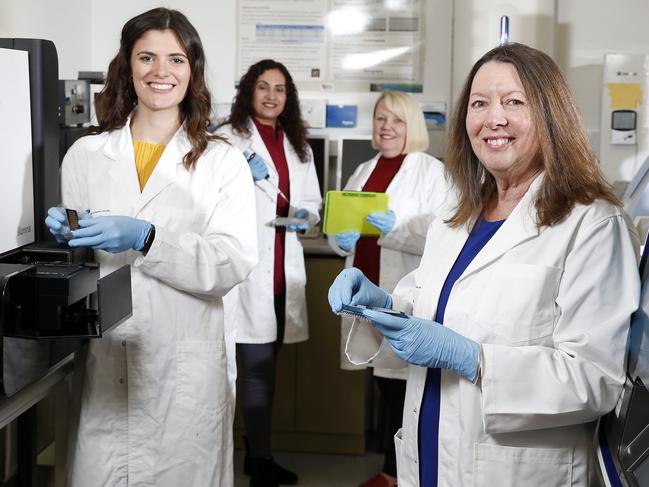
[(257, 364)]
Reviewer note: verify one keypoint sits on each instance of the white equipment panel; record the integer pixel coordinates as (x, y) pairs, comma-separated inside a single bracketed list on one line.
[(16, 177)]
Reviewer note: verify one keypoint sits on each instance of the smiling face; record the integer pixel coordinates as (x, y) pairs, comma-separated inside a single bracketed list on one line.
[(161, 71), (500, 125), (389, 131), (269, 96)]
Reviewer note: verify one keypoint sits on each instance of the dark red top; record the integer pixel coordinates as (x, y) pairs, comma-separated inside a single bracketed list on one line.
[(367, 256), (274, 142)]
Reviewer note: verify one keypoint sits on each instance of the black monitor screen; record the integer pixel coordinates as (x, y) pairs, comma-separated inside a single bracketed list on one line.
[(623, 120), (320, 158), (353, 152)]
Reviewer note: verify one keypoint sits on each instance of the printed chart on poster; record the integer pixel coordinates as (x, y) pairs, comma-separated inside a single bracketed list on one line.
[(336, 44)]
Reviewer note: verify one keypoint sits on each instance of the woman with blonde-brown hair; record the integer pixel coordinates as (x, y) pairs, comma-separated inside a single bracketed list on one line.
[(520, 307), (415, 184)]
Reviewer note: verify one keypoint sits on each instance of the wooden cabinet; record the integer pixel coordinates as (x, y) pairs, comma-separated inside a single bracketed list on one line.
[(318, 407)]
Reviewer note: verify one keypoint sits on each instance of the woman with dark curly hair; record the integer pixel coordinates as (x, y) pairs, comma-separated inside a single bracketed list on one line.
[(269, 308), (174, 202)]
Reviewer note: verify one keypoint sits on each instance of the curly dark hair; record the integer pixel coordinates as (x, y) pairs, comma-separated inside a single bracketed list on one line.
[(290, 119), (118, 99)]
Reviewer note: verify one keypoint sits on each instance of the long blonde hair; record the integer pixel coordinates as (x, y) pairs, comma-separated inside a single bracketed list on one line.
[(572, 173)]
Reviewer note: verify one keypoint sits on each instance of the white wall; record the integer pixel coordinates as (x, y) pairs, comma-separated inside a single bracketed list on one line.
[(65, 22), (477, 30), (214, 20), (586, 30)]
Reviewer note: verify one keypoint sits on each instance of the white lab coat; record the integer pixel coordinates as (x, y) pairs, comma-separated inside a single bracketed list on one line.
[(159, 390), (251, 305), (551, 308), (416, 194)]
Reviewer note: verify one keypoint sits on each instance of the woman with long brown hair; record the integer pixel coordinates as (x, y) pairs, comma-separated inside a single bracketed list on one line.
[(269, 308), (157, 393), (521, 305)]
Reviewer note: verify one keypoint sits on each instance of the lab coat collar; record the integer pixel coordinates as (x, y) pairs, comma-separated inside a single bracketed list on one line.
[(520, 225), (409, 162), (120, 149)]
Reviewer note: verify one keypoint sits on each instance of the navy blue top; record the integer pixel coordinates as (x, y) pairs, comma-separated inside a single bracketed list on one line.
[(429, 411)]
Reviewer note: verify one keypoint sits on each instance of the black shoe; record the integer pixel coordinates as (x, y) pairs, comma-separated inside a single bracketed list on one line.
[(282, 476), (264, 472)]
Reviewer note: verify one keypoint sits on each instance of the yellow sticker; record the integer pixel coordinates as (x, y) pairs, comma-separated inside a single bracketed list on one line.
[(624, 95)]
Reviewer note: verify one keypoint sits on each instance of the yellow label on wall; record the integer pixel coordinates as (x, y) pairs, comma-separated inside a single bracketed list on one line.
[(624, 95)]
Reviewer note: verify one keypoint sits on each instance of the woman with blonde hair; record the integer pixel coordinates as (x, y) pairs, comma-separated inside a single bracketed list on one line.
[(415, 184)]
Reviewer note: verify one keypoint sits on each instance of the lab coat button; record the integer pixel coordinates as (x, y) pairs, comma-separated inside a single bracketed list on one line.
[(121, 381), (414, 410), (123, 343)]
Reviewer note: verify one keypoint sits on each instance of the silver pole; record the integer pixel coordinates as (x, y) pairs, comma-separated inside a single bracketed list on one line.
[(504, 30)]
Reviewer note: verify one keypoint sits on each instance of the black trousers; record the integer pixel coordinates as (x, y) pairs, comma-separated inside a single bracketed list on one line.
[(393, 395), (257, 366)]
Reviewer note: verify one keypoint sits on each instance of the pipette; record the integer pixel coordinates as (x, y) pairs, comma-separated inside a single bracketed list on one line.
[(250, 157)]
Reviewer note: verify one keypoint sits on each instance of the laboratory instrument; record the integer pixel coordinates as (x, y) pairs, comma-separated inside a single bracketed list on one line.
[(51, 295), (623, 451)]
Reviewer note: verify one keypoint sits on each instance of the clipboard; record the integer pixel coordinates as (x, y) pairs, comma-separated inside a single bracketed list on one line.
[(345, 211)]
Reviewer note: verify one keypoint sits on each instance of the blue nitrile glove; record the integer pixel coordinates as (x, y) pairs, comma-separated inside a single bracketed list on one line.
[(352, 287), (347, 240), (111, 233), (57, 222), (427, 343), (299, 213), (257, 165), (383, 221)]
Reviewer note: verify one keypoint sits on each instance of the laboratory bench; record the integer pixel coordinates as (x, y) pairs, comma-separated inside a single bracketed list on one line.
[(29, 417), (319, 407)]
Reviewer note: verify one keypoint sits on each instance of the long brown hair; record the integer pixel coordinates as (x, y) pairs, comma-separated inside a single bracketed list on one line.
[(118, 98), (290, 119), (572, 173)]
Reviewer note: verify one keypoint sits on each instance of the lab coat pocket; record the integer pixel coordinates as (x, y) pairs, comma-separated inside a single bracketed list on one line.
[(517, 301), (201, 380), (507, 466)]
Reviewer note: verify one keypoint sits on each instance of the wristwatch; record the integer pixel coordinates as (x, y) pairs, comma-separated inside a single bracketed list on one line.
[(148, 241)]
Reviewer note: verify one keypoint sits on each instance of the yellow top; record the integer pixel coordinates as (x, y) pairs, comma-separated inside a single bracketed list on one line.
[(147, 156)]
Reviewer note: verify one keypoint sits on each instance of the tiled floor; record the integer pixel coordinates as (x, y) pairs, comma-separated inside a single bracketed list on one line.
[(314, 470), (317, 470)]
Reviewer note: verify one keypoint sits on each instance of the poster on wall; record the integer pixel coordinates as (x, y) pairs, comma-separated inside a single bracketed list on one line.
[(292, 32), (337, 44), (376, 41)]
